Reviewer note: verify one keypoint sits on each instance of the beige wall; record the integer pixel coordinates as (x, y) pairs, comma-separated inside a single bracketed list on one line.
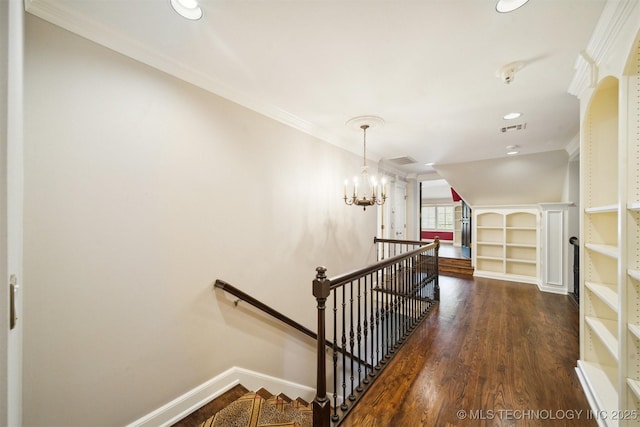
[(140, 191)]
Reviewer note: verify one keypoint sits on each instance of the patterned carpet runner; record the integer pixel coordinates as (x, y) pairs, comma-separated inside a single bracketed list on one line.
[(252, 410)]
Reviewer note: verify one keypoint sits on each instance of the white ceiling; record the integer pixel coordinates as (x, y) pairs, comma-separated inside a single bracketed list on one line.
[(435, 190), (427, 67)]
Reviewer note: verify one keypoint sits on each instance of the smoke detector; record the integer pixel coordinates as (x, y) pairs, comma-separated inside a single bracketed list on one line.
[(507, 73)]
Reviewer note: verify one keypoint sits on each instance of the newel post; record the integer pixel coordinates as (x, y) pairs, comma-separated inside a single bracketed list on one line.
[(321, 404)]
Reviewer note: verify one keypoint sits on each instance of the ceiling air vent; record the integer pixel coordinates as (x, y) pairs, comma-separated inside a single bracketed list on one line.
[(520, 126), (403, 161)]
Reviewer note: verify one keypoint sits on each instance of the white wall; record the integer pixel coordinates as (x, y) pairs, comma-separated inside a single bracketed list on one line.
[(574, 196), (413, 209), (140, 191), (518, 180)]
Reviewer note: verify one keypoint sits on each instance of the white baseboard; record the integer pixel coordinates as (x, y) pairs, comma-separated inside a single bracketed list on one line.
[(507, 277), (552, 289), (192, 400), (591, 399)]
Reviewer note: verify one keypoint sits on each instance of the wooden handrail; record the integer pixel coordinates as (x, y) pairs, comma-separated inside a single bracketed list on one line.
[(407, 242), (221, 284), (344, 278)]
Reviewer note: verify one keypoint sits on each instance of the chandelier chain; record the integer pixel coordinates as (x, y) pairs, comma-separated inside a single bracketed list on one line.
[(364, 157)]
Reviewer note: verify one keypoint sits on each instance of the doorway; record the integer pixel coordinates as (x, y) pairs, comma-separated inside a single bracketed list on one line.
[(465, 230)]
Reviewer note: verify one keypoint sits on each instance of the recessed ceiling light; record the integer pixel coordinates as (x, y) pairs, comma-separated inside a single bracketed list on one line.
[(429, 164), (187, 8), (505, 6), (512, 153), (511, 116)]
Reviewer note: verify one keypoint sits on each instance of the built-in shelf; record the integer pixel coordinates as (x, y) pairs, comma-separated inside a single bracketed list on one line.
[(634, 206), (606, 293), (609, 365), (634, 386), (608, 250), (521, 245), (635, 330), (601, 209), (507, 243), (598, 378), (634, 274), (522, 261), (604, 329)]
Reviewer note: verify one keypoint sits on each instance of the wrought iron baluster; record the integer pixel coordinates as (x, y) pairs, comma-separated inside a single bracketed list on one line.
[(385, 317), (352, 397), (365, 328), (344, 346), (335, 416), (394, 311), (359, 334), (378, 328)]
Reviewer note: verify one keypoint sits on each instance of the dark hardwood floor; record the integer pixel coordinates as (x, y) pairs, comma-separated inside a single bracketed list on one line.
[(494, 353)]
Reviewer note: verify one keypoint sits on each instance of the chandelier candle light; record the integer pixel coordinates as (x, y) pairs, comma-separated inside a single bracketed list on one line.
[(369, 187)]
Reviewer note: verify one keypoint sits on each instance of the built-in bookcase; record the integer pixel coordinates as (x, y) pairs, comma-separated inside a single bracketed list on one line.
[(507, 243), (631, 274), (599, 153), (609, 365)]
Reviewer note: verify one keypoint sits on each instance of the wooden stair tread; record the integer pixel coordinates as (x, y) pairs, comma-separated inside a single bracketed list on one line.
[(281, 408), (265, 394), (455, 266), (202, 414)]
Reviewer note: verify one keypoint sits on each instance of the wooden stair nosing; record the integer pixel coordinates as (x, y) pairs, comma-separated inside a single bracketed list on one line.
[(216, 405)]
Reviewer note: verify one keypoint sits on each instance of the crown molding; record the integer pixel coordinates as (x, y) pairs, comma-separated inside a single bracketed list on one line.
[(573, 148), (613, 18), (64, 16)]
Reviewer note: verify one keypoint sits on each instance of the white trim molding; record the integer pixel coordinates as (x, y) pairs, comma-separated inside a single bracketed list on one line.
[(194, 399), (66, 17), (614, 17), (554, 249)]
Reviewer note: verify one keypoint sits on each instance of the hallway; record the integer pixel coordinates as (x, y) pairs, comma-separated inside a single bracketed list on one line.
[(494, 353)]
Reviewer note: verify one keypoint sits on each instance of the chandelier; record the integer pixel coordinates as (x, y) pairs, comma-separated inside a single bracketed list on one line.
[(365, 187)]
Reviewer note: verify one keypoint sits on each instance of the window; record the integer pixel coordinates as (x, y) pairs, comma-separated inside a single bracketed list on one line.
[(437, 217)]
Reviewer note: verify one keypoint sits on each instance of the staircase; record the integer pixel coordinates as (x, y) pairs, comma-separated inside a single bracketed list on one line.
[(251, 409), (455, 267)]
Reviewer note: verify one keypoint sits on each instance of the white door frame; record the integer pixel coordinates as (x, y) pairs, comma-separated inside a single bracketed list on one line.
[(398, 202), (11, 214), (386, 224)]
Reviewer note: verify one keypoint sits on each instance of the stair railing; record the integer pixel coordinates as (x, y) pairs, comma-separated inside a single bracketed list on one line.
[(374, 310), (391, 247), (242, 296)]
